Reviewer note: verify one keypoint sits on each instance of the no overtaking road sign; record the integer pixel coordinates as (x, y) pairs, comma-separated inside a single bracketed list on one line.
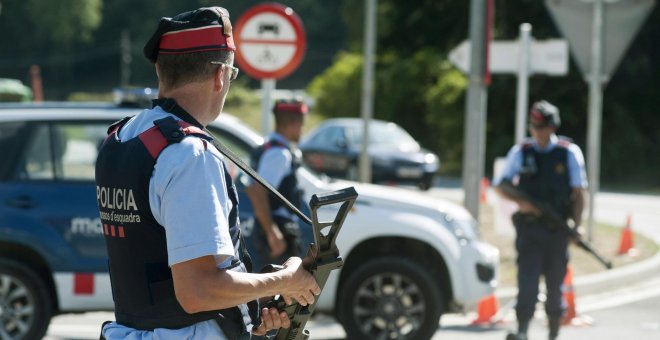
[(270, 41)]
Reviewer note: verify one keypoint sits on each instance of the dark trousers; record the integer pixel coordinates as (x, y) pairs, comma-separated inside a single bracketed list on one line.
[(542, 250), (260, 253)]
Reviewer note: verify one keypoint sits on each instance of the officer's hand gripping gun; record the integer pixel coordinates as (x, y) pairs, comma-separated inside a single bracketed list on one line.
[(323, 257), (549, 214)]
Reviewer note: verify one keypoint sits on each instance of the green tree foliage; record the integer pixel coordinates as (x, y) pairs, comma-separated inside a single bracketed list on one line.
[(64, 21), (77, 45), (416, 88), (337, 89), (414, 84)]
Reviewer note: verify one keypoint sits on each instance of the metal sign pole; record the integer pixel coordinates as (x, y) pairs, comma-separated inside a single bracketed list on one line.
[(267, 89), (367, 88), (595, 110), (523, 82), (475, 115)]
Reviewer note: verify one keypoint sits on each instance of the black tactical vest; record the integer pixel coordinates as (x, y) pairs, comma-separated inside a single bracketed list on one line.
[(544, 176), (289, 185), (142, 285)]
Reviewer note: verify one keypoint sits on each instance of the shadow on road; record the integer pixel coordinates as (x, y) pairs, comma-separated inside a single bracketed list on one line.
[(473, 328)]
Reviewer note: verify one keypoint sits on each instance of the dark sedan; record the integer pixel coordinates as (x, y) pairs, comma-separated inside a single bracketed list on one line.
[(334, 146)]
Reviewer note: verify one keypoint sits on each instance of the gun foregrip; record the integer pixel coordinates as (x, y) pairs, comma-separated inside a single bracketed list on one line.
[(346, 194)]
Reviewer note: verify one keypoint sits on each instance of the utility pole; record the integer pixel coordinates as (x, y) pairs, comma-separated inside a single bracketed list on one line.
[(595, 110), (475, 115), (523, 81), (367, 87)]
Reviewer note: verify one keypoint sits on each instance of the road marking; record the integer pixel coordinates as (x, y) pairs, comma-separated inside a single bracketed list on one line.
[(641, 291)]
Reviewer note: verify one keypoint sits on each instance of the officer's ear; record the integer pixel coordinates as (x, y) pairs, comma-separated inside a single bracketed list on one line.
[(218, 82)]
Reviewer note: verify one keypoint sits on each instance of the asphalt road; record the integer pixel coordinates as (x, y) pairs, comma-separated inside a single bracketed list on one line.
[(628, 312)]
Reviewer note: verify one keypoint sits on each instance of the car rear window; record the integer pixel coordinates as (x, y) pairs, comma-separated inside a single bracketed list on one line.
[(12, 135), (61, 150)]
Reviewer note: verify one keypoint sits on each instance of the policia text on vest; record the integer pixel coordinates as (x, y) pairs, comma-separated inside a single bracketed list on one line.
[(120, 199)]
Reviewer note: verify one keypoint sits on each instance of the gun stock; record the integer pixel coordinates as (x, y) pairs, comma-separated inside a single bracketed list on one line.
[(549, 213), (324, 255)]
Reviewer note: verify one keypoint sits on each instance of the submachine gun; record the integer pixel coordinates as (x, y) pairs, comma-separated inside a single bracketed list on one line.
[(553, 217), (323, 257)]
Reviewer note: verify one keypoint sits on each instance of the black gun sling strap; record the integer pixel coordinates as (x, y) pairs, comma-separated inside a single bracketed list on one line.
[(229, 154)]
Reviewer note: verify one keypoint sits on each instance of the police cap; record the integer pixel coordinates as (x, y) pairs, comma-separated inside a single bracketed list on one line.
[(290, 106), (201, 30), (544, 113)]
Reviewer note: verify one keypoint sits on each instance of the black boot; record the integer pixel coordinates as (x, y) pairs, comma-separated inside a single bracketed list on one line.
[(516, 336), (553, 326)]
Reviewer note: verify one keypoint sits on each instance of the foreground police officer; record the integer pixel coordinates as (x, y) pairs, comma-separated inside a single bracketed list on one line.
[(168, 206), (549, 169), (276, 235)]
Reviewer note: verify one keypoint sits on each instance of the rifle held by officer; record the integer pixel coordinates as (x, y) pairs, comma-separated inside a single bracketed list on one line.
[(549, 213), (323, 257)]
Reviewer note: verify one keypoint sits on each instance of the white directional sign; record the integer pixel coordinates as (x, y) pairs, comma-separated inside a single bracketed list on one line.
[(622, 19), (270, 41), (546, 56)]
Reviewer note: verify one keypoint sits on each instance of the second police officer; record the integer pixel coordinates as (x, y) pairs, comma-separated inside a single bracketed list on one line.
[(276, 235), (549, 169)]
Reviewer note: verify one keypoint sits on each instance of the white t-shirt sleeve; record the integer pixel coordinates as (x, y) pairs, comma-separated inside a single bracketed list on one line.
[(189, 198), (275, 163), (576, 169), (512, 165)]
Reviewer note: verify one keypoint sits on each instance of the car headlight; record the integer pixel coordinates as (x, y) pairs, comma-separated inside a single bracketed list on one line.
[(431, 162), (465, 230)]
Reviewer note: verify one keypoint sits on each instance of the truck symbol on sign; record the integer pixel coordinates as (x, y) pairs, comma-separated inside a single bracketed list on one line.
[(269, 27)]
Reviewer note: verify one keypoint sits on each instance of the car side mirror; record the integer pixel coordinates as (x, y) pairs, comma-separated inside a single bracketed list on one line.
[(341, 143)]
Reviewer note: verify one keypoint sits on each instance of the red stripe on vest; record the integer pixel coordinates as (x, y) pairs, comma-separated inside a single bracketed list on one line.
[(155, 142), (121, 231), (83, 283)]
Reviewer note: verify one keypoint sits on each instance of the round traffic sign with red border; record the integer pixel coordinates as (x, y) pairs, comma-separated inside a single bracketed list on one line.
[(270, 41)]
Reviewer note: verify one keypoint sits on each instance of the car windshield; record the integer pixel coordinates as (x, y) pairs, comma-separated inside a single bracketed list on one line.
[(380, 133)]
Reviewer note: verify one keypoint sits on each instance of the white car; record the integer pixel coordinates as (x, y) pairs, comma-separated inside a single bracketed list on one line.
[(409, 258)]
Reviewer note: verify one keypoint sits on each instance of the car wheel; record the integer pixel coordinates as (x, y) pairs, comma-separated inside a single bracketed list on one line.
[(426, 183), (25, 307), (390, 298)]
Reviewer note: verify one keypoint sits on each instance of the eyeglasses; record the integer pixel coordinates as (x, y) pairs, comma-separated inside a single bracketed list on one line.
[(234, 70)]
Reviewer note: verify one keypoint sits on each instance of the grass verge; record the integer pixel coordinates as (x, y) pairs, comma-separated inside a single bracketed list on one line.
[(606, 241)]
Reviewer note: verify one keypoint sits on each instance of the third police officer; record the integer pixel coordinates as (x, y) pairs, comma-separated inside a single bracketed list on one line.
[(549, 169)]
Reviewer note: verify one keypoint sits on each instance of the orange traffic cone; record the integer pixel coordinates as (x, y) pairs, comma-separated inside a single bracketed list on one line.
[(483, 192), (569, 296), (486, 310), (571, 317), (626, 244)]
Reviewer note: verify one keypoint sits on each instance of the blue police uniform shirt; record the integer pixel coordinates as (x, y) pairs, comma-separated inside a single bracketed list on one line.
[(188, 197), (274, 165), (576, 171)]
